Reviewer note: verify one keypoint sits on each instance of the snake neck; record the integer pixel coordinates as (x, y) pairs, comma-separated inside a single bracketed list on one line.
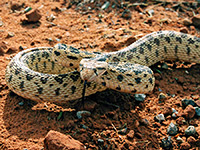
[(158, 46)]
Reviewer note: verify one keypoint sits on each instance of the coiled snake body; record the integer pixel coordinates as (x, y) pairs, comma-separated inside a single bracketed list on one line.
[(57, 74)]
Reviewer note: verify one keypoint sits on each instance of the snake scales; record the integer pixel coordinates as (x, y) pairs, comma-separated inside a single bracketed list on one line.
[(57, 74)]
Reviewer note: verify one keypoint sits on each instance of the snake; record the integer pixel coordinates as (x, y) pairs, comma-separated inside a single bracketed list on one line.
[(57, 74)]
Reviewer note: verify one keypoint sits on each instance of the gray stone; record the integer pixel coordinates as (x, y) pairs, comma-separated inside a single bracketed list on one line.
[(190, 131), (140, 97), (172, 129)]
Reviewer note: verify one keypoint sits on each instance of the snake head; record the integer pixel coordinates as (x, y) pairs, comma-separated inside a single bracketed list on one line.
[(90, 69)]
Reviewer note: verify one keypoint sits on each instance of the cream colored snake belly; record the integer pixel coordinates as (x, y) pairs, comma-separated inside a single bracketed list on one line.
[(57, 74)]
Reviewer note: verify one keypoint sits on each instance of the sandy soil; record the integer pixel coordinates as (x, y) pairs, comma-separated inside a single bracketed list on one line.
[(116, 118)]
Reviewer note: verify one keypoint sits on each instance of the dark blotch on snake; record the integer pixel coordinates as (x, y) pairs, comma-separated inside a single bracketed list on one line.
[(133, 50), (74, 77), (191, 41), (145, 75), (40, 90), (178, 39), (21, 86), (134, 91), (66, 96), (157, 53), (57, 91), (130, 56), (45, 54), (131, 84), (138, 57), (151, 80), (138, 80), (50, 85), (118, 88), (176, 49), (188, 51), (167, 39), (129, 75), (73, 88), (141, 50), (57, 53), (146, 59), (58, 79), (137, 72), (72, 57), (70, 64), (105, 73), (149, 47), (103, 83), (65, 84), (36, 66), (120, 77), (17, 71), (74, 50), (44, 64), (10, 78), (43, 80), (165, 49), (115, 59), (88, 84), (149, 71), (52, 65), (157, 41)]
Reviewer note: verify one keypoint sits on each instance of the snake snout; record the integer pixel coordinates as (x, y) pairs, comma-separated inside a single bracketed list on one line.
[(90, 70)]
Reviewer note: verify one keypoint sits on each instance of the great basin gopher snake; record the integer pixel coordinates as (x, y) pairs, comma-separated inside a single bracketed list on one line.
[(57, 74)]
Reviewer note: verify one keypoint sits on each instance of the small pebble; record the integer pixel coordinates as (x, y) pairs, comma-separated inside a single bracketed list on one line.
[(164, 66), (186, 102), (84, 126), (33, 15), (160, 118), (197, 111), (185, 146), (162, 96), (174, 110), (151, 12), (167, 111), (187, 22), (191, 140), (179, 139), (140, 97), (172, 129), (144, 122), (189, 112), (100, 141), (126, 14), (196, 20), (190, 131), (131, 134), (167, 143), (10, 34), (21, 103), (198, 103), (105, 5), (123, 131), (174, 115), (80, 113)]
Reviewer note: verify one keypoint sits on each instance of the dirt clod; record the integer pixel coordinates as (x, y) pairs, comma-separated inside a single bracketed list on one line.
[(189, 112), (33, 16), (55, 140)]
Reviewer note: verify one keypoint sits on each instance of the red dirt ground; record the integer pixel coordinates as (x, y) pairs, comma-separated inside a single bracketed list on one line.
[(112, 113)]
